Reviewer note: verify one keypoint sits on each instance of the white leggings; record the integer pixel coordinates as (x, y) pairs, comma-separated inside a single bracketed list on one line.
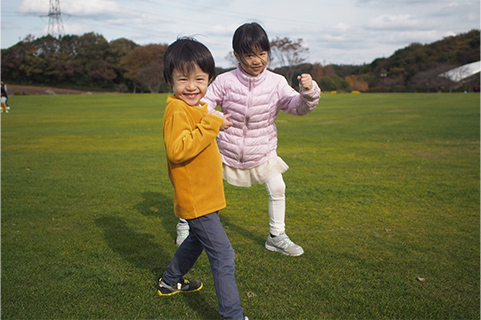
[(277, 205)]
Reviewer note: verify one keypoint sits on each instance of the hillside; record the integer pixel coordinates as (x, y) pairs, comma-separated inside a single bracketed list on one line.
[(413, 68), (92, 64), (413, 65)]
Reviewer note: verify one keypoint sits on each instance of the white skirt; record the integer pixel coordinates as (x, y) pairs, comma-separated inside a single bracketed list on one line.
[(258, 175)]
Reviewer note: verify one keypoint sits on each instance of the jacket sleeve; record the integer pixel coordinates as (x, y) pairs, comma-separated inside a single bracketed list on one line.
[(214, 95), (181, 142), (298, 103)]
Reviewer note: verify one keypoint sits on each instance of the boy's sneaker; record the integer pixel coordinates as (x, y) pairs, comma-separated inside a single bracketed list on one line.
[(283, 244), (182, 232), (183, 285)]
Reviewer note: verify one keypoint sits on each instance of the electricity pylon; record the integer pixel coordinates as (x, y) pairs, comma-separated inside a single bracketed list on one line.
[(55, 24)]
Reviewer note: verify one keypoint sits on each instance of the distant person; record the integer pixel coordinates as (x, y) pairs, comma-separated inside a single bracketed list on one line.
[(254, 96), (4, 98), (195, 170)]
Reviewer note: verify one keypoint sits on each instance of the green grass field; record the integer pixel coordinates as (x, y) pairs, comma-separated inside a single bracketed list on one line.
[(383, 193)]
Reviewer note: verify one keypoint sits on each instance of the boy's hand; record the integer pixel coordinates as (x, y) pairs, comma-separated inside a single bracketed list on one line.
[(227, 123), (305, 81)]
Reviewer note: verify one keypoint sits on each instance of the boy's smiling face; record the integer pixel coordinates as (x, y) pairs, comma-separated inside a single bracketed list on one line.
[(190, 87)]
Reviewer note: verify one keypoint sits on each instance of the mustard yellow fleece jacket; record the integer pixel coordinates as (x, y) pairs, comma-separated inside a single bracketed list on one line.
[(193, 158)]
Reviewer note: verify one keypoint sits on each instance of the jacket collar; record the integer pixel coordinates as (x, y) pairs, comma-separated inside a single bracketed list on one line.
[(248, 80)]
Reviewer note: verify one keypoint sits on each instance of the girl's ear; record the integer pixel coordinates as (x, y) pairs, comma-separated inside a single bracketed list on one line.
[(237, 57)]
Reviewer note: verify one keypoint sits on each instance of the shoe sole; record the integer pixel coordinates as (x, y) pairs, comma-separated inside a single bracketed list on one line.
[(178, 291), (275, 249)]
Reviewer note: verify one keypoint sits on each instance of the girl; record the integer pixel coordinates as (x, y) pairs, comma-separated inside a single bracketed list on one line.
[(254, 96)]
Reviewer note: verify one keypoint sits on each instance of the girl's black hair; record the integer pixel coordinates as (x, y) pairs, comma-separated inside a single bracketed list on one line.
[(184, 54), (249, 37)]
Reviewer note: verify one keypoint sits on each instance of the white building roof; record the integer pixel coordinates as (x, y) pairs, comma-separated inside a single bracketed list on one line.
[(462, 72)]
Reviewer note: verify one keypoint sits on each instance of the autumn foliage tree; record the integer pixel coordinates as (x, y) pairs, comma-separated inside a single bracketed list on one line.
[(356, 83), (144, 65)]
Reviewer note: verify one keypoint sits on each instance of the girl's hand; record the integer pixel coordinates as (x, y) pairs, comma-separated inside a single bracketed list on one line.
[(227, 123), (305, 81)]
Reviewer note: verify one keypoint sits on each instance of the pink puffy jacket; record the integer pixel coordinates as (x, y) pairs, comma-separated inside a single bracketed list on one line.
[(254, 103)]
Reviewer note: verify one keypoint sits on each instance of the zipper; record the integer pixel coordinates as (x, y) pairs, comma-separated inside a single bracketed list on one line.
[(247, 116)]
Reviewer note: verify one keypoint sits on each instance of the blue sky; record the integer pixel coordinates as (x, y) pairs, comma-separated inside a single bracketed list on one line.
[(338, 31)]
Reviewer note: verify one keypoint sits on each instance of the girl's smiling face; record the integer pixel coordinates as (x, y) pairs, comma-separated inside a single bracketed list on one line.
[(190, 87), (253, 63)]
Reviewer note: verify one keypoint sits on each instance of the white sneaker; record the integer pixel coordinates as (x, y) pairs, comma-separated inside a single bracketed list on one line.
[(283, 244), (182, 233)]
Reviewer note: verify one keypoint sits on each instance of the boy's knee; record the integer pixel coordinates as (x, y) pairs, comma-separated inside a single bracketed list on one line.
[(230, 254)]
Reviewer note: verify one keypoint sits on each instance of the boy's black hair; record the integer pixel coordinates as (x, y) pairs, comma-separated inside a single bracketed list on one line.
[(184, 54), (249, 37)]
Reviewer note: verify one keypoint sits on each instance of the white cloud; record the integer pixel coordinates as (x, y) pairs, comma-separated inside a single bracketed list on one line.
[(341, 28), (460, 12), (34, 6), (399, 21), (76, 28), (92, 8), (78, 8)]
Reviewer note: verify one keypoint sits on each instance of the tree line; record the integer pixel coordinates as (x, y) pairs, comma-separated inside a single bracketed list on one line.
[(92, 63)]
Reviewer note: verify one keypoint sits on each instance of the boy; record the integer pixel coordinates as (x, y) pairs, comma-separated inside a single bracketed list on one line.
[(195, 171)]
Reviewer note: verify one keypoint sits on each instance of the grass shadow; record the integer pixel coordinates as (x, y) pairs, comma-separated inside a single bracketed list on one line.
[(156, 204), (253, 235), (137, 248), (143, 252)]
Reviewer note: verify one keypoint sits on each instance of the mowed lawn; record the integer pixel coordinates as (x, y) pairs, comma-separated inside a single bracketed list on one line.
[(383, 193)]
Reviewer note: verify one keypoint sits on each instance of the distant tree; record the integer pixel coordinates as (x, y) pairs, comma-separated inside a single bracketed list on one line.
[(119, 49), (432, 80), (11, 60), (288, 54), (333, 83), (141, 57), (67, 69), (151, 76), (92, 54), (357, 83), (329, 71), (15, 58), (317, 71)]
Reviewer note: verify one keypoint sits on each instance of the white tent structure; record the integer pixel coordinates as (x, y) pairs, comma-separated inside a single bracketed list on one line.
[(463, 72)]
